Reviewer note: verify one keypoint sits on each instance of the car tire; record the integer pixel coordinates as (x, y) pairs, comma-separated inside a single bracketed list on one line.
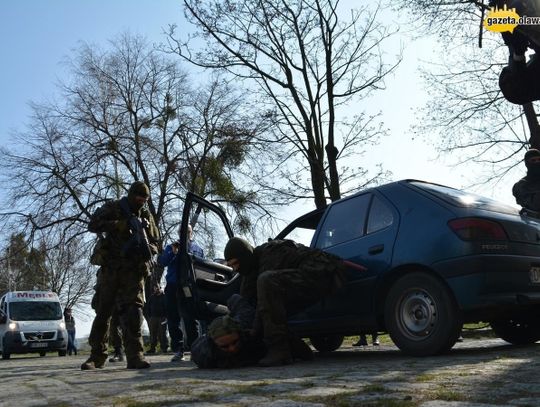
[(421, 315), (62, 352), (519, 331), (6, 355), (327, 343)]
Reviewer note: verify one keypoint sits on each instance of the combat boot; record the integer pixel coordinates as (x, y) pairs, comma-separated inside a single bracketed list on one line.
[(276, 357), (300, 349), (138, 364), (117, 357), (93, 363)]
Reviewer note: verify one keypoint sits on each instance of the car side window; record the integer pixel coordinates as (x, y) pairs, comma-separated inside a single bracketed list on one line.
[(345, 221), (380, 216)]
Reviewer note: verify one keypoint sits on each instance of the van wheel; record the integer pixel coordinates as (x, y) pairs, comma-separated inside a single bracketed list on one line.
[(42, 354), (62, 352), (6, 355)]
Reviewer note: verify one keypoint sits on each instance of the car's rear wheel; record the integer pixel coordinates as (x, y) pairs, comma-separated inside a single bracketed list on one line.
[(421, 315), (62, 352), (518, 331), (327, 343)]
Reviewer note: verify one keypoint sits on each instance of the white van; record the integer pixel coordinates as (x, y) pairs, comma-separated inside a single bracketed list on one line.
[(32, 322)]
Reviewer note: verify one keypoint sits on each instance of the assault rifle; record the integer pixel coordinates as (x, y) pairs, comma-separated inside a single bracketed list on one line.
[(138, 243)]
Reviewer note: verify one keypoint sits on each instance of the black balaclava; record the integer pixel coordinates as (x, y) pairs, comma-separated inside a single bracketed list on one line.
[(238, 248), (533, 169), (138, 188)]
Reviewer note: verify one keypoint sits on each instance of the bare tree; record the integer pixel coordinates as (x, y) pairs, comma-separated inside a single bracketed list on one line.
[(126, 114), (61, 268), (467, 110), (308, 66)]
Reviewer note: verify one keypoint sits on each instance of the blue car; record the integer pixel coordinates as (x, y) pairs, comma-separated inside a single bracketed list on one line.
[(435, 258)]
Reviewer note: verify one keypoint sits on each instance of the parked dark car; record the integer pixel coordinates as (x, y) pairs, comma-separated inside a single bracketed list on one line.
[(436, 257)]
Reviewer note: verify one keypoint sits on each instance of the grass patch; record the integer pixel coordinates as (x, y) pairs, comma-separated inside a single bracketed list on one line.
[(373, 388), (426, 377), (449, 395), (334, 400), (129, 402)]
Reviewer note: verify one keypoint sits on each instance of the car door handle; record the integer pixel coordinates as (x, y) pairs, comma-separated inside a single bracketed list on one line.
[(378, 248)]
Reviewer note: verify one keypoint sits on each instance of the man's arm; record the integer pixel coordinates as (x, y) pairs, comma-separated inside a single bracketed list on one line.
[(105, 219), (167, 256), (527, 195)]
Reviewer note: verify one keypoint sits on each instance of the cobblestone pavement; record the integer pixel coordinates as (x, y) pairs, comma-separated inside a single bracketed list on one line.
[(475, 373)]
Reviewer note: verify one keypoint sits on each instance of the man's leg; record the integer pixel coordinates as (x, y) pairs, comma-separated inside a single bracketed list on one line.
[(162, 330), (280, 292), (190, 324), (153, 328), (104, 302), (115, 338), (130, 303), (173, 321)]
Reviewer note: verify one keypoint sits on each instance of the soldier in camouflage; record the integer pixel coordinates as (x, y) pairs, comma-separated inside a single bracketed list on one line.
[(527, 190), (121, 280), (282, 278), (229, 342)]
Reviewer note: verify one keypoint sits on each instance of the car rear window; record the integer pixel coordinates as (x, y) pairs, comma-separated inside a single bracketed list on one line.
[(465, 199)]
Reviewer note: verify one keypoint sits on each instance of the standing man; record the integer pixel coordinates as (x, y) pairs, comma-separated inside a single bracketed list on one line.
[(70, 328), (282, 278), (157, 321), (131, 239), (175, 300)]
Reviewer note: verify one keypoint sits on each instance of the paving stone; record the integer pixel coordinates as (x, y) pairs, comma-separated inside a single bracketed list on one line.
[(477, 373)]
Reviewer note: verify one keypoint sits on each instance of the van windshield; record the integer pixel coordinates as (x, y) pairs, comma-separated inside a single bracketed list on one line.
[(35, 311)]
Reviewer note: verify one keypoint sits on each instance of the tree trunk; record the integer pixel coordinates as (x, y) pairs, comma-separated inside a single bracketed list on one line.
[(333, 186), (534, 127), (317, 183)]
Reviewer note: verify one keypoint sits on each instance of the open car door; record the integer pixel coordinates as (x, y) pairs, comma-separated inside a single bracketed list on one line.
[(206, 282)]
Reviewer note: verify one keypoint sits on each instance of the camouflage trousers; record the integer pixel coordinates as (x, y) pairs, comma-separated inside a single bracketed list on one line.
[(284, 292), (118, 289)]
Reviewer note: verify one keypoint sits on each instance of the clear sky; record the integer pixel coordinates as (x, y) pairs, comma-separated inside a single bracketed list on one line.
[(36, 35)]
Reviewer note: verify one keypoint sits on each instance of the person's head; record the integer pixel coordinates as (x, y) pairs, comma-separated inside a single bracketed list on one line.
[(67, 311), (238, 254), (225, 333), (138, 194), (189, 231), (532, 162)]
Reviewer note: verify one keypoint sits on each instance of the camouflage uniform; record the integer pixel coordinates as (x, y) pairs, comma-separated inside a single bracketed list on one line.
[(283, 277), (205, 353), (527, 190), (527, 193), (120, 284)]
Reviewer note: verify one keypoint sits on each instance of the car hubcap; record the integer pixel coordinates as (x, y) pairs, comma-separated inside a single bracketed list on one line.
[(417, 314)]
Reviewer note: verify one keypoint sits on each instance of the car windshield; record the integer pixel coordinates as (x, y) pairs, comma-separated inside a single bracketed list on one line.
[(35, 311), (466, 199)]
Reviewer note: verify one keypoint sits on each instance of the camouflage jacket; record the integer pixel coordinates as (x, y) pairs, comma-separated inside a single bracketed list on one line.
[(111, 221), (527, 193), (286, 254)]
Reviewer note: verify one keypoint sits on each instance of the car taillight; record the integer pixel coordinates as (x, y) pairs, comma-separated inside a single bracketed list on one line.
[(477, 229)]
